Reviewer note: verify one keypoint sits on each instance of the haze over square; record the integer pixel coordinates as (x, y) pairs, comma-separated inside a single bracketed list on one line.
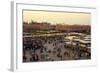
[(57, 17)]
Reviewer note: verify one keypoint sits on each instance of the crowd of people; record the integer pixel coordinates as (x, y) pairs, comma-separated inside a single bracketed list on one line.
[(52, 48)]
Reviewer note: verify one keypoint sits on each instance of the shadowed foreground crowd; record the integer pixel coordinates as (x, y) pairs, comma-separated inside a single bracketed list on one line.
[(51, 49)]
